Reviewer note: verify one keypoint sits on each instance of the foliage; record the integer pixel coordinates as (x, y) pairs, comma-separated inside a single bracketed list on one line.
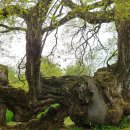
[(9, 116), (78, 69), (48, 68), (14, 80)]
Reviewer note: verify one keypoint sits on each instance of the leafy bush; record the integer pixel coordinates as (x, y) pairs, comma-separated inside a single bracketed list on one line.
[(78, 69), (48, 68)]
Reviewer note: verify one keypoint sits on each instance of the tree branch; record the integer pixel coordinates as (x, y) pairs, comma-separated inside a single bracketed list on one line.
[(93, 17), (100, 4), (65, 19), (90, 17), (96, 17), (94, 5), (9, 29)]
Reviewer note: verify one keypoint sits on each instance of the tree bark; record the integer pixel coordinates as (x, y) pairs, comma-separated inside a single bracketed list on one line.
[(3, 83), (33, 53), (123, 67)]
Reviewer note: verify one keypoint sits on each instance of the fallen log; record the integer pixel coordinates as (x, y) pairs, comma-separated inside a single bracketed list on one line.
[(86, 100)]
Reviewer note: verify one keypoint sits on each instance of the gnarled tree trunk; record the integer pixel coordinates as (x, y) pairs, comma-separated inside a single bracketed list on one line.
[(124, 57), (85, 99), (33, 49)]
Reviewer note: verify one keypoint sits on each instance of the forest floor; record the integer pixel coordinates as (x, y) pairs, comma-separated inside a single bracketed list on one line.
[(69, 125)]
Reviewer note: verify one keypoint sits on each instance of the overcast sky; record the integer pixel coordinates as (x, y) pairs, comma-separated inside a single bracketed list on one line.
[(16, 47)]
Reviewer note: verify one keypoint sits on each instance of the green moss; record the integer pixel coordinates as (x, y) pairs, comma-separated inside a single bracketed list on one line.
[(56, 105), (68, 121)]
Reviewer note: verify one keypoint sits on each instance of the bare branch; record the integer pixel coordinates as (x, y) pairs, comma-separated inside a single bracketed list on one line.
[(54, 47), (19, 73), (114, 54)]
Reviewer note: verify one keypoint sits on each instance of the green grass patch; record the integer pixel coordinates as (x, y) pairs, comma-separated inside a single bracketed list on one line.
[(105, 127), (124, 123)]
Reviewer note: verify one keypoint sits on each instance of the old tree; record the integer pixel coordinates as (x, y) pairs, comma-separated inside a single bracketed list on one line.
[(103, 98)]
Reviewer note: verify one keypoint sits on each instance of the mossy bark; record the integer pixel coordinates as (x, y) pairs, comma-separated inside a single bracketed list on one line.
[(3, 83)]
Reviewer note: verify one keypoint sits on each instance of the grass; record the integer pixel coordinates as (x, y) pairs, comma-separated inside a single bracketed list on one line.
[(105, 127), (123, 125)]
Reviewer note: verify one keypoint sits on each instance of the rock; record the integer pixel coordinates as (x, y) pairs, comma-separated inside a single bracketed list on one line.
[(98, 110)]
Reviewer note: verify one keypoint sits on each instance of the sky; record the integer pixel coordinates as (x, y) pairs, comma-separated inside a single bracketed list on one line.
[(16, 47)]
